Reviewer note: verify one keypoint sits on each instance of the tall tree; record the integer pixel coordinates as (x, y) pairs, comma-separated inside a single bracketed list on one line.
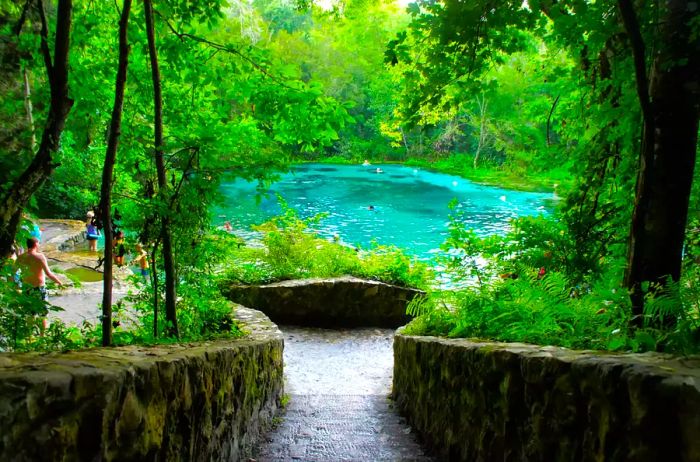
[(452, 42), (108, 171), (165, 235), (670, 102), (60, 105)]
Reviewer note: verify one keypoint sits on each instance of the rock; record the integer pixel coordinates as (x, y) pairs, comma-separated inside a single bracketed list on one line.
[(486, 401), (61, 234), (335, 302)]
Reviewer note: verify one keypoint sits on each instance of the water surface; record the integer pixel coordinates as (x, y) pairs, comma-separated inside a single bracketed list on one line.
[(410, 206)]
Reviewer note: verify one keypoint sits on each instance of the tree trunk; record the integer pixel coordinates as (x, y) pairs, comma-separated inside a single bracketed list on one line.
[(42, 166), (28, 108), (669, 142), (405, 142), (549, 120), (168, 260), (154, 281), (482, 129), (108, 171)]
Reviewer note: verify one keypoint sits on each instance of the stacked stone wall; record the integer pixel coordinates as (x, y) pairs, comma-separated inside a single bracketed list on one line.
[(188, 402), (480, 401), (334, 302)]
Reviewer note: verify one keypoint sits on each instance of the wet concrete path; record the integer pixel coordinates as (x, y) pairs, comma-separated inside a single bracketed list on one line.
[(338, 382)]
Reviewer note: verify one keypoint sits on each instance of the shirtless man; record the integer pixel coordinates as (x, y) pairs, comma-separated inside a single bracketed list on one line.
[(35, 269)]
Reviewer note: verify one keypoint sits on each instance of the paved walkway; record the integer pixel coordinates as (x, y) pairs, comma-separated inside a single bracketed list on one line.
[(338, 383)]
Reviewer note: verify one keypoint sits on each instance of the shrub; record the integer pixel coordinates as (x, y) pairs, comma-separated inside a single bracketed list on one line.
[(293, 251)]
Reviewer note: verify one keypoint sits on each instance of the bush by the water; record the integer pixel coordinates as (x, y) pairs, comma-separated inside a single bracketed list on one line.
[(293, 251), (531, 286)]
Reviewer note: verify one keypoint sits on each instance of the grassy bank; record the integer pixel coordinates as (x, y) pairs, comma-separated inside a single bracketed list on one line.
[(488, 174)]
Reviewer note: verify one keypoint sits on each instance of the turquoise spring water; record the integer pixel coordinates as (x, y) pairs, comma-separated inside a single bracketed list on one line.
[(410, 205)]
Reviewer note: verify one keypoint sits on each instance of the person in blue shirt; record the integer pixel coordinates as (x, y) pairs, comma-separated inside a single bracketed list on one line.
[(91, 231)]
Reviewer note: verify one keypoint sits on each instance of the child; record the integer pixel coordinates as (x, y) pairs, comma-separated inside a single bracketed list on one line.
[(142, 260), (119, 249)]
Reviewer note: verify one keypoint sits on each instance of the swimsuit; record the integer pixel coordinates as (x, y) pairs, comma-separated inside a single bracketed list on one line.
[(41, 293), (121, 250), (92, 233)]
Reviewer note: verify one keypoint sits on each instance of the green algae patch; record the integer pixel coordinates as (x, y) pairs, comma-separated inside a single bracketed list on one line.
[(84, 274)]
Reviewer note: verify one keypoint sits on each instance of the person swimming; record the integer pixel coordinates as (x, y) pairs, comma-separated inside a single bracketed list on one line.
[(366, 163)]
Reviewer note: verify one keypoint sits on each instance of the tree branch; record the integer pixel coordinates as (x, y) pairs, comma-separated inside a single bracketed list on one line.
[(629, 19), (23, 17), (549, 118), (225, 48), (45, 52)]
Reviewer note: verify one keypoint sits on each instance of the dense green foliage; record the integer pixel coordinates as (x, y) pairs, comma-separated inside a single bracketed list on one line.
[(541, 94), (202, 313), (531, 286)]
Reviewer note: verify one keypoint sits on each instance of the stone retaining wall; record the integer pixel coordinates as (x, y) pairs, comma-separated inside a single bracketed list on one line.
[(334, 302), (189, 402), (478, 401)]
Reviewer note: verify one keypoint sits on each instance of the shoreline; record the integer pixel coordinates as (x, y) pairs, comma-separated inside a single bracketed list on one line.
[(488, 177)]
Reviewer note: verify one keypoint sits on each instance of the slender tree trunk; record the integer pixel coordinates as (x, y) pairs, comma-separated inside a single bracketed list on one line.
[(670, 101), (168, 260), (549, 119), (108, 171), (154, 280), (405, 141), (28, 108), (42, 166), (482, 129)]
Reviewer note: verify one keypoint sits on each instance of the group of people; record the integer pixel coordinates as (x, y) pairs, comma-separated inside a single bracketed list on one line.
[(92, 234)]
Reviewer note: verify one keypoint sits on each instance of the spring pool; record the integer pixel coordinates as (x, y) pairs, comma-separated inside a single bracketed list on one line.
[(410, 206)]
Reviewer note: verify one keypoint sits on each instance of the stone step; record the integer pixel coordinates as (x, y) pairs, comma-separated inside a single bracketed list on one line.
[(341, 427)]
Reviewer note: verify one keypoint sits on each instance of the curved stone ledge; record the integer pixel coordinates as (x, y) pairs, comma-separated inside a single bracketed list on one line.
[(480, 401), (334, 302), (198, 401), (61, 234)]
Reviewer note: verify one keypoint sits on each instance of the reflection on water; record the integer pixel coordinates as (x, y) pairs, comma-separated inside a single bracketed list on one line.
[(410, 206)]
